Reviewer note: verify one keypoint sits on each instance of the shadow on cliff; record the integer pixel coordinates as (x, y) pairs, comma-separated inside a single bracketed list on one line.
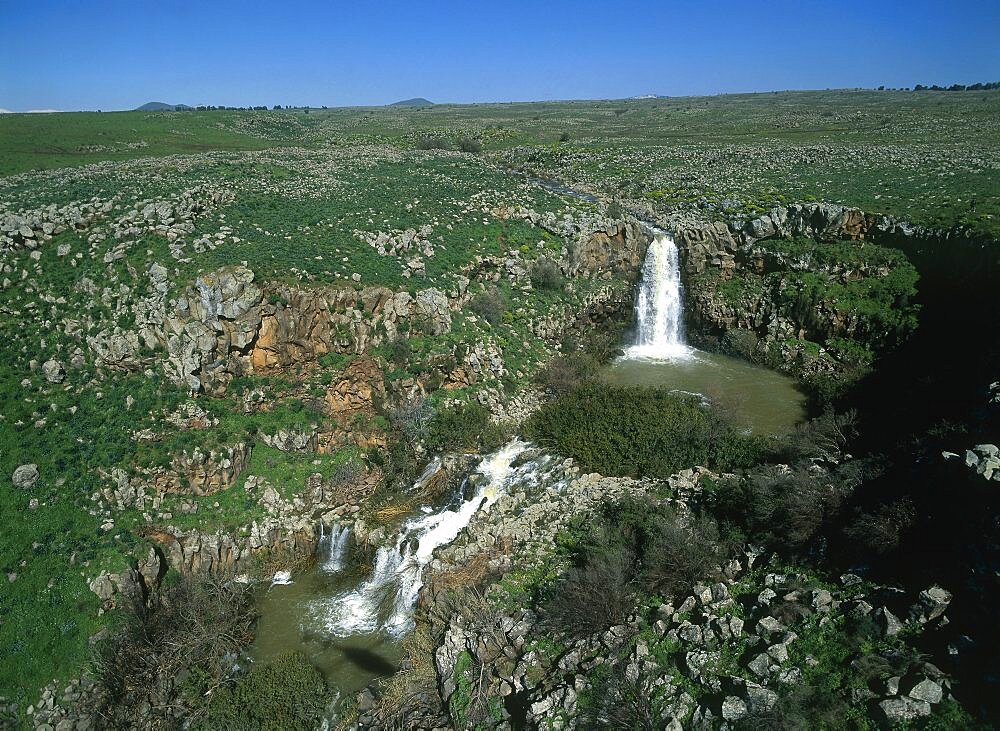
[(929, 396)]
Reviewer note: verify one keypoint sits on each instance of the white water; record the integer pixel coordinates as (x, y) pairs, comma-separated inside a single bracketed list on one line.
[(658, 308), (281, 578), (385, 601), (333, 548)]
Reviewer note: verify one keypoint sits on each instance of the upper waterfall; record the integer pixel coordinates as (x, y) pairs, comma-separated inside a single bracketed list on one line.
[(658, 308)]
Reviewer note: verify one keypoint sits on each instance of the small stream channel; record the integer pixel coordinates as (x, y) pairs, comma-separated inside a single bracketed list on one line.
[(348, 615)]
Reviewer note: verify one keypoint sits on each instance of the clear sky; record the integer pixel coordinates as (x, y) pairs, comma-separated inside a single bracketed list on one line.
[(113, 54)]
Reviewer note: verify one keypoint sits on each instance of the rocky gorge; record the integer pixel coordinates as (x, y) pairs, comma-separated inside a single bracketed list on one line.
[(291, 401)]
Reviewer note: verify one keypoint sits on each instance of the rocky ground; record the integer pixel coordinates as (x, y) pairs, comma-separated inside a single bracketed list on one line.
[(725, 653)]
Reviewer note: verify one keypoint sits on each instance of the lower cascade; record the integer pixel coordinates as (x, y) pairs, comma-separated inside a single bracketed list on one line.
[(385, 601), (658, 308)]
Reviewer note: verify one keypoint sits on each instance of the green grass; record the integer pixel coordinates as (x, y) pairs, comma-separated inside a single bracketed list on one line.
[(301, 186), (929, 157), (47, 141)]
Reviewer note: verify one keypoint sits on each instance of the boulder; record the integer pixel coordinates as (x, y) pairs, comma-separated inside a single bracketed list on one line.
[(432, 305), (25, 476), (733, 708), (926, 690), (930, 605), (53, 371), (903, 709)]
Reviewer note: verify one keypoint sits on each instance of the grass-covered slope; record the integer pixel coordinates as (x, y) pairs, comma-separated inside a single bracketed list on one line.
[(929, 157)]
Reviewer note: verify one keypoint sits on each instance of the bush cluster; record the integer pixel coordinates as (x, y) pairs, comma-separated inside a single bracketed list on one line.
[(640, 432), (490, 304), (462, 427), (636, 547), (287, 693), (546, 274)]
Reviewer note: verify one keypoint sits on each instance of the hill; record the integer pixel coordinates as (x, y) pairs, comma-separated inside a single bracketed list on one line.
[(415, 102)]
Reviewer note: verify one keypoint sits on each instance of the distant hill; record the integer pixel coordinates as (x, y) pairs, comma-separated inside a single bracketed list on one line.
[(161, 107), (415, 102)]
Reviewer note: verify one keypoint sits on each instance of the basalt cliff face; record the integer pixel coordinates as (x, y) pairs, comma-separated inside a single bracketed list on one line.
[(228, 323), (741, 282)]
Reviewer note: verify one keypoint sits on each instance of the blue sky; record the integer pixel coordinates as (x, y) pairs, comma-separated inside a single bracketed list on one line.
[(108, 54)]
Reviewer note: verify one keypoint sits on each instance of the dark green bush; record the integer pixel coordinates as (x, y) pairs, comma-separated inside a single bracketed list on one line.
[(640, 432), (460, 428), (490, 305), (285, 694), (433, 143), (545, 274), (467, 144)]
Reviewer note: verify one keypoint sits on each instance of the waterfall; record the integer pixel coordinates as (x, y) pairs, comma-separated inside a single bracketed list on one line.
[(658, 308), (333, 548), (385, 601)]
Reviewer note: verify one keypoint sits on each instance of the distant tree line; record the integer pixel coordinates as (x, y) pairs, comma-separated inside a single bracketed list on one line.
[(959, 87), (982, 86)]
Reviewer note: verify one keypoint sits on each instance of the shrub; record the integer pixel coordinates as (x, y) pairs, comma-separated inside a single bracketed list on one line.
[(618, 699), (879, 533), (490, 304), (412, 418), (564, 373), (462, 427), (592, 597), (678, 554), (782, 509), (432, 143), (467, 144), (189, 628), (640, 432), (287, 693), (742, 344), (822, 438), (545, 274), (804, 707), (400, 352), (632, 547)]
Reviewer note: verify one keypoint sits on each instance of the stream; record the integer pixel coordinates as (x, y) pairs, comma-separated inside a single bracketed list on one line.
[(348, 617)]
